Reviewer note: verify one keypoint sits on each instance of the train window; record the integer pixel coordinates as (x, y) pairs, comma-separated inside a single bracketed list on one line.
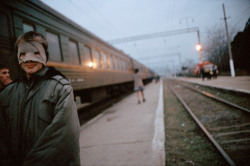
[(96, 59), (100, 60), (87, 56), (73, 52), (28, 27), (111, 66), (117, 63), (124, 65), (108, 62), (104, 60), (114, 62), (4, 26), (121, 64), (54, 47), (127, 66)]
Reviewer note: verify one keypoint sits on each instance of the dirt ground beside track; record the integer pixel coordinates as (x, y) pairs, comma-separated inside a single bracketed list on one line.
[(185, 143)]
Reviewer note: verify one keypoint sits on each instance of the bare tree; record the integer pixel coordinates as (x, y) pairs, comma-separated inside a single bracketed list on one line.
[(216, 49)]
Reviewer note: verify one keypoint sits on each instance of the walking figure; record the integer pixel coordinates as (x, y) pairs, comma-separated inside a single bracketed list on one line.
[(138, 85)]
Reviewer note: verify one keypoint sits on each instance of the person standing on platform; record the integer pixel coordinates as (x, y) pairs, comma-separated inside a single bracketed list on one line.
[(202, 73), (4, 77), (215, 71), (38, 116), (138, 86)]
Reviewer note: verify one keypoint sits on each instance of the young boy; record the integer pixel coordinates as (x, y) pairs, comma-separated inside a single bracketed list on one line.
[(38, 117)]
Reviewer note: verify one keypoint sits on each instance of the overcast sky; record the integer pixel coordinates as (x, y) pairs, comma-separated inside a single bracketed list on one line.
[(115, 19)]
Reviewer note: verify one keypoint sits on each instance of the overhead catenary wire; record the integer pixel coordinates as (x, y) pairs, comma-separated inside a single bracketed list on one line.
[(107, 21), (88, 16), (103, 17), (154, 35), (239, 17)]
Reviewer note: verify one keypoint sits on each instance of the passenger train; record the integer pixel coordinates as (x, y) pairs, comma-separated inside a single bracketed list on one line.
[(95, 68)]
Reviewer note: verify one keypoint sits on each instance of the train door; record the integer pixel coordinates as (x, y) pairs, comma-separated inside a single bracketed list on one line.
[(7, 42)]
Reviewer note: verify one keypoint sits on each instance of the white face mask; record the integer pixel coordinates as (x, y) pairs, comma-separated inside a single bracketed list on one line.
[(31, 51)]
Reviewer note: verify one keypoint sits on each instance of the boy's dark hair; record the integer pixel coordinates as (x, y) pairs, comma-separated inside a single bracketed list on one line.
[(33, 36), (2, 66)]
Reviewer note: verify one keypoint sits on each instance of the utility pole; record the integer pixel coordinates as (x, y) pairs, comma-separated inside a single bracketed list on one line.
[(180, 60), (229, 45)]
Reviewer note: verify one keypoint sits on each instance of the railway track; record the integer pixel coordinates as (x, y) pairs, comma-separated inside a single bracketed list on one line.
[(226, 124)]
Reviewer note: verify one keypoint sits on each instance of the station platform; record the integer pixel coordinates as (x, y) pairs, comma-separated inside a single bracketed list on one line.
[(127, 133), (238, 83)]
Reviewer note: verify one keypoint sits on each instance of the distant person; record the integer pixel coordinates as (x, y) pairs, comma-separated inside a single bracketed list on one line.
[(38, 116), (157, 78), (202, 73), (138, 86), (215, 71), (4, 77)]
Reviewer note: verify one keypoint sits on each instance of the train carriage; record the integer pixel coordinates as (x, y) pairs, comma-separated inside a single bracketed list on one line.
[(93, 66)]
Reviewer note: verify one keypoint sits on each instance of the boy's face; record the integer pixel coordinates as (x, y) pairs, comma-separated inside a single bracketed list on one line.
[(4, 77), (31, 57)]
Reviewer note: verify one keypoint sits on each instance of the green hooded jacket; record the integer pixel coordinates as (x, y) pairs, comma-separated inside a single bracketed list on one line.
[(39, 124)]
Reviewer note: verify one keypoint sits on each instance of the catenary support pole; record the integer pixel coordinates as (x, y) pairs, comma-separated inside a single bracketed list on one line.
[(229, 45)]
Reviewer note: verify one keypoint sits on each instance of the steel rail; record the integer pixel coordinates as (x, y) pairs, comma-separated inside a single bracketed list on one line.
[(218, 99), (219, 148)]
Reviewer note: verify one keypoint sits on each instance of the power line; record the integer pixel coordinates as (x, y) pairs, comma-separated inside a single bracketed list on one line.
[(154, 35), (89, 16), (161, 55), (100, 14), (107, 20), (236, 20)]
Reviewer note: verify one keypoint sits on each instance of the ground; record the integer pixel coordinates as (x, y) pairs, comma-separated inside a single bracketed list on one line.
[(185, 143)]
